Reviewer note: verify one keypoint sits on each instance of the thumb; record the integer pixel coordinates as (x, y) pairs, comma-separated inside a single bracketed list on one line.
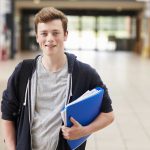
[(75, 122)]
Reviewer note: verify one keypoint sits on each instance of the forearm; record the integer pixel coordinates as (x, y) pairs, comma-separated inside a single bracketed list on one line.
[(9, 134), (103, 120), (77, 130)]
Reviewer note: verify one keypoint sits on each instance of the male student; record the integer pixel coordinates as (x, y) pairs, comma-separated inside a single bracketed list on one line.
[(39, 88)]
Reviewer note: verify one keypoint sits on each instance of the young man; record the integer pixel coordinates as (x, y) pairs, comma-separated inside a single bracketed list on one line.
[(38, 89)]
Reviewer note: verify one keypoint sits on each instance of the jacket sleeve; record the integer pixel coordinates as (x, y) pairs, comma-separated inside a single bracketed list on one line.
[(97, 81), (10, 101)]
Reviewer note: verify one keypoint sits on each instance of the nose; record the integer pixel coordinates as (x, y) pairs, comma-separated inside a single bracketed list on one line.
[(50, 37)]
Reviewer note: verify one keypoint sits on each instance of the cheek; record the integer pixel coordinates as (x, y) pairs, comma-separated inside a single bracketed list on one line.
[(40, 40), (61, 39), (57, 40)]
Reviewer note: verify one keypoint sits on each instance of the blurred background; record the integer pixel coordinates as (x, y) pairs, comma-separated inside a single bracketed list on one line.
[(113, 36)]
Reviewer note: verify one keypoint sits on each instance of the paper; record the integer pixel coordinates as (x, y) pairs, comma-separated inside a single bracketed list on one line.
[(85, 109)]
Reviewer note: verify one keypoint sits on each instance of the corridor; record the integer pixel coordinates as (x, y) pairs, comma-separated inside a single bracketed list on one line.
[(127, 77)]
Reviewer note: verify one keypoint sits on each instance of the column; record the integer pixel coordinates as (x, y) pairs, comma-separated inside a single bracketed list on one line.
[(3, 43), (146, 45), (7, 42), (138, 42)]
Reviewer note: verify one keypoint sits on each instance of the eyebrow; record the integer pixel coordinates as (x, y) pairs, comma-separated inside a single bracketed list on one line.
[(55, 30), (43, 31)]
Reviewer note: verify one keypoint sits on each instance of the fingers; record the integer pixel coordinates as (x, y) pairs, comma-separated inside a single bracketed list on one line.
[(65, 131), (73, 132), (63, 128), (75, 122)]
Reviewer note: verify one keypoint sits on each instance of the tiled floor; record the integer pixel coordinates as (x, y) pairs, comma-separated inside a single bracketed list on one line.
[(127, 77)]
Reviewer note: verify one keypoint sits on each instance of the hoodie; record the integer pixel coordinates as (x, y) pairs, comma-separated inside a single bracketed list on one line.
[(16, 104)]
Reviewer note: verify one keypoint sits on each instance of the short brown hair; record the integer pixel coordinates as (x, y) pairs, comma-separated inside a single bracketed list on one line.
[(48, 14)]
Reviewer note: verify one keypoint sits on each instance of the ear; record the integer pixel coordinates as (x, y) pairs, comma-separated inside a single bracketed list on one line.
[(36, 38), (66, 36)]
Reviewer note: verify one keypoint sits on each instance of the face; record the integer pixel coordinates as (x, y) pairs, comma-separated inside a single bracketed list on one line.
[(51, 37)]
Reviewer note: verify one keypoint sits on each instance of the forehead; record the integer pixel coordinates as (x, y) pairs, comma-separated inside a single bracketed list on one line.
[(50, 25)]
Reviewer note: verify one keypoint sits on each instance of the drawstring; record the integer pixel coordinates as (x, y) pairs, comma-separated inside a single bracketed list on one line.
[(26, 94), (69, 90)]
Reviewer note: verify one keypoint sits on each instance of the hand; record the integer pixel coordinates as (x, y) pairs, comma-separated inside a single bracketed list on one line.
[(75, 132)]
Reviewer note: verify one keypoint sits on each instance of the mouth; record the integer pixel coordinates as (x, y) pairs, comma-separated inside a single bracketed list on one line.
[(50, 46)]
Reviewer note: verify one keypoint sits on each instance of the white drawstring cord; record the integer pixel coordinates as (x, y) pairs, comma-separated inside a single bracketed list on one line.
[(26, 93)]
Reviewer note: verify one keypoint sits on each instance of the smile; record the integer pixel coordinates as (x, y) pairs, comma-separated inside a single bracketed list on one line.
[(50, 46)]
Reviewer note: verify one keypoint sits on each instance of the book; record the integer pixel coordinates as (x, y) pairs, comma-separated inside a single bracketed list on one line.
[(85, 110)]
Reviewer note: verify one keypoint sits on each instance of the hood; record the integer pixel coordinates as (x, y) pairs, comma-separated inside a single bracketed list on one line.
[(71, 59)]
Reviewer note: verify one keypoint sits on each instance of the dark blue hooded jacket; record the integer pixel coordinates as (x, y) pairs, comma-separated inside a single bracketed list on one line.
[(83, 78)]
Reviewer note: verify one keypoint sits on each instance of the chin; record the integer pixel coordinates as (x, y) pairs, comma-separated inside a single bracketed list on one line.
[(50, 52)]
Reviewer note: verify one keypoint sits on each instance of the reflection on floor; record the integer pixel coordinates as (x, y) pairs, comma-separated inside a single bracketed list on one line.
[(127, 77)]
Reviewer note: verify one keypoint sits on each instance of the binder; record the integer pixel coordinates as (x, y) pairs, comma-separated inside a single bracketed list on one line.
[(85, 109)]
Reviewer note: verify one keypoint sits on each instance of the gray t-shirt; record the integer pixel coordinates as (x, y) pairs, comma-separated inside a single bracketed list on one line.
[(50, 99)]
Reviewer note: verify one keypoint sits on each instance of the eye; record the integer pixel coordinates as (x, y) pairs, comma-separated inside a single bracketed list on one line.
[(55, 33), (43, 33)]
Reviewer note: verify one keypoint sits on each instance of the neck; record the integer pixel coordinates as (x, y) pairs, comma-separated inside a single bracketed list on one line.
[(54, 63)]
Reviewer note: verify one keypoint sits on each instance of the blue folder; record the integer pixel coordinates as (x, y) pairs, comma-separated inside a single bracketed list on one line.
[(84, 111)]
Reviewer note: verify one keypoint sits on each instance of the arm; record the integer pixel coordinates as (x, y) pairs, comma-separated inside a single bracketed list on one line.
[(106, 116), (9, 134), (9, 109), (77, 131), (102, 121)]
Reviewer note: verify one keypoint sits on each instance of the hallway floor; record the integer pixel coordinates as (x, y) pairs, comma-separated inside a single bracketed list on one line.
[(127, 77)]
